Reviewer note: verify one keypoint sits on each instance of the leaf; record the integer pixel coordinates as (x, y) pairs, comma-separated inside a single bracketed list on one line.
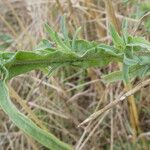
[(61, 43), (52, 69), (83, 46), (113, 77), (145, 6), (3, 73), (87, 54), (125, 33), (25, 124), (51, 32), (4, 46), (125, 70), (54, 36), (111, 50), (145, 70), (139, 41), (6, 40), (117, 40), (144, 60), (44, 45), (135, 71), (64, 30), (75, 38), (131, 62)]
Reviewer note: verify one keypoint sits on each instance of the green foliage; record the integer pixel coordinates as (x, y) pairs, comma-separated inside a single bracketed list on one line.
[(117, 40), (5, 41), (63, 51), (20, 120), (135, 71)]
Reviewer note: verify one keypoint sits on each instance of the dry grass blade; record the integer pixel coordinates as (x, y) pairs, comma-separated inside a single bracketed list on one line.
[(26, 108), (62, 102), (140, 21), (117, 101)]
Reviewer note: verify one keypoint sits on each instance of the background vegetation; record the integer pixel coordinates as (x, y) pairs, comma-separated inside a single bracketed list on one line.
[(60, 103)]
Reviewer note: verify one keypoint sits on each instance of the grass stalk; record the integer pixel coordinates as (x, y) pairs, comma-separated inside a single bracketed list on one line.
[(134, 119), (27, 109)]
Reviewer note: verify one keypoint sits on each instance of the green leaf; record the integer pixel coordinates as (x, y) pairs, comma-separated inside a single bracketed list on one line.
[(51, 32), (61, 43), (54, 36), (131, 62), (64, 30), (75, 38), (145, 6), (144, 60), (125, 33), (113, 77), (44, 45), (117, 40), (145, 70), (87, 54), (135, 71), (25, 124), (6, 38), (5, 41), (111, 50), (83, 46), (139, 41), (125, 70), (3, 72)]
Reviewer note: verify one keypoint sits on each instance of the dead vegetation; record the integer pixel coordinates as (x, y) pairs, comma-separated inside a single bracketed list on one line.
[(60, 103)]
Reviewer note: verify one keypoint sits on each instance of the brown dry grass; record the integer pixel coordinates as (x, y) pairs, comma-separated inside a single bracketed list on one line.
[(60, 103)]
